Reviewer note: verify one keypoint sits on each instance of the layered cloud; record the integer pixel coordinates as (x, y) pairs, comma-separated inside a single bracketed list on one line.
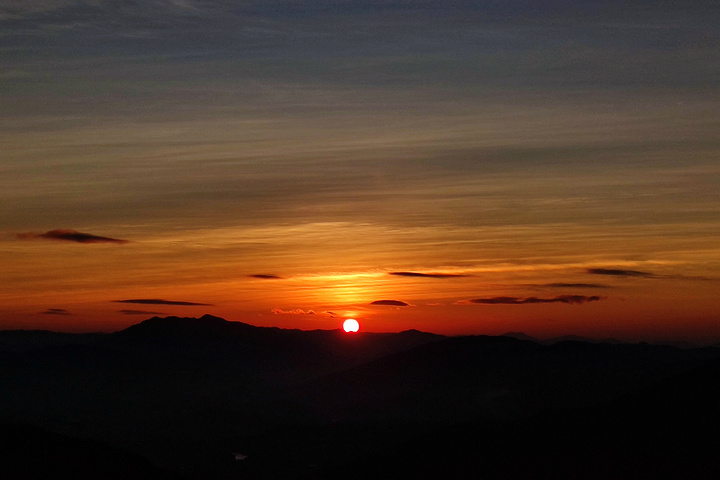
[(567, 299), (428, 275), (295, 311), (392, 303), (158, 301), (300, 311), (576, 285), (265, 276), (636, 273), (616, 272), (56, 311), (69, 236)]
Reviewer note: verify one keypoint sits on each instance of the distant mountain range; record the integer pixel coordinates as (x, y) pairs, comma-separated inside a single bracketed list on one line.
[(187, 393), (31, 453)]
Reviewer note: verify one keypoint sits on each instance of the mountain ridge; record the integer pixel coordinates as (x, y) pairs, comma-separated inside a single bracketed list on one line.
[(185, 392)]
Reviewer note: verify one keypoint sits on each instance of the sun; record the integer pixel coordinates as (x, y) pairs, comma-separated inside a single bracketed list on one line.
[(351, 325)]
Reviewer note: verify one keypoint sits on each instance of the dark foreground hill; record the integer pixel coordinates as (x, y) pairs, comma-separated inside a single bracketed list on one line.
[(175, 389), (269, 354), (186, 394), (667, 431), (481, 377), (31, 453)]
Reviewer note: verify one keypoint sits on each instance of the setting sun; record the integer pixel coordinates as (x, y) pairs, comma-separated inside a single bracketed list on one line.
[(351, 325)]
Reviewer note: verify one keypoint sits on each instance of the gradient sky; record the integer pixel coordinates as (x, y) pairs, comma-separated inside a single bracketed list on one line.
[(552, 169)]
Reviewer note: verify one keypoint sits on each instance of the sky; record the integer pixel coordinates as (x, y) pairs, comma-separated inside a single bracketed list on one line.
[(454, 167)]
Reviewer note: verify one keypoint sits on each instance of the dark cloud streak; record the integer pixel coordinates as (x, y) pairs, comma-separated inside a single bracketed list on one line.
[(615, 272), (429, 275), (69, 236), (295, 311), (392, 303), (639, 274), (56, 311), (567, 299), (158, 301)]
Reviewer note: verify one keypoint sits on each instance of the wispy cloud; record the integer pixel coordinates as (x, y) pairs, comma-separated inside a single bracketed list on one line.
[(56, 311), (264, 276), (139, 312), (616, 272), (429, 275), (69, 236), (636, 273), (158, 301), (300, 311), (567, 299), (392, 303), (295, 311), (576, 285)]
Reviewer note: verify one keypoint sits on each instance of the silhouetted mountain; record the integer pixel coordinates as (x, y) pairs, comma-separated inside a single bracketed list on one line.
[(19, 340), (494, 377), (576, 338), (31, 453), (283, 355), (162, 385), (186, 393), (520, 336), (666, 431)]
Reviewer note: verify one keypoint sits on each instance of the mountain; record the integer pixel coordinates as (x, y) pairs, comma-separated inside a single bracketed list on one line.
[(665, 431), (185, 393), (480, 377), (31, 453), (417, 420), (289, 355), (19, 340), (520, 336), (160, 386)]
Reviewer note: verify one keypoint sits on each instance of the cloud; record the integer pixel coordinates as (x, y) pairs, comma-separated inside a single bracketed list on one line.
[(157, 301), (139, 312), (428, 275), (69, 236), (619, 273), (264, 276), (296, 311), (576, 285), (56, 311), (567, 299), (636, 273), (300, 311), (392, 303)]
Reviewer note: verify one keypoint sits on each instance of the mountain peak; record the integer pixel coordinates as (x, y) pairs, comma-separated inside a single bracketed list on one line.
[(181, 330), (206, 319)]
